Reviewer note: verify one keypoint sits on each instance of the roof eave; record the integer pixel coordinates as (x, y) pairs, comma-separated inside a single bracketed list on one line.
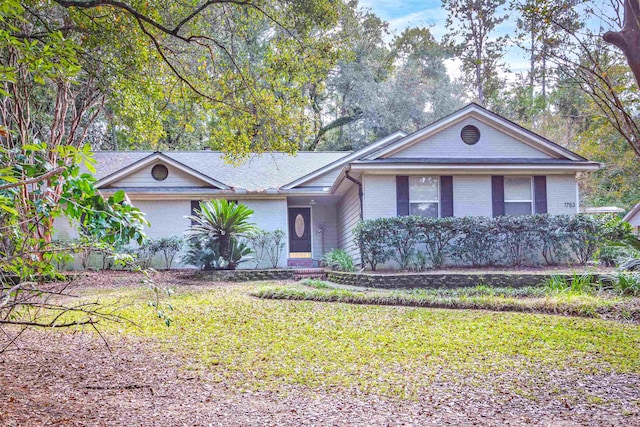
[(474, 167)]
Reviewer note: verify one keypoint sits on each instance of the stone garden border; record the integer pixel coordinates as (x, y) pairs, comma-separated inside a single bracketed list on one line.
[(431, 280), (244, 275)]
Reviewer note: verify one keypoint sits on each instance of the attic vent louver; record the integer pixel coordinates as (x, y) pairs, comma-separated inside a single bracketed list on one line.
[(159, 172), (470, 134)]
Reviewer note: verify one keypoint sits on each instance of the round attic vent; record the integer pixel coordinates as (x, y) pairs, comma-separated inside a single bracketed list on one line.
[(159, 172), (470, 134)]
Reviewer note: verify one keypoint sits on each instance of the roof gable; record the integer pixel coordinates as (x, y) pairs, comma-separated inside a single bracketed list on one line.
[(632, 213), (186, 176), (499, 137)]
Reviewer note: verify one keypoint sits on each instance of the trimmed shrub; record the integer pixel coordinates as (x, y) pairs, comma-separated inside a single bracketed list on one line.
[(437, 234), (371, 238), (477, 241), (481, 241)]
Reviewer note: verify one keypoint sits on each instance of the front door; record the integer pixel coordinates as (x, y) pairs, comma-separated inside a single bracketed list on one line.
[(300, 232)]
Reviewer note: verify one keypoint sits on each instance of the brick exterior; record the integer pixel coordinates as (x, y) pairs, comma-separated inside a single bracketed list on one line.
[(562, 196), (300, 262)]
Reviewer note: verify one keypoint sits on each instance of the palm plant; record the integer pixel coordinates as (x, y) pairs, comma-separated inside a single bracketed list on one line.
[(221, 223)]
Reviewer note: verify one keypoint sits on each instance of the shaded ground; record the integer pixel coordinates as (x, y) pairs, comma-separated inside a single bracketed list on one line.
[(64, 379)]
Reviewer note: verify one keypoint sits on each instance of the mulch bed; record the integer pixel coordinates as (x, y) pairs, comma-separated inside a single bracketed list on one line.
[(62, 379)]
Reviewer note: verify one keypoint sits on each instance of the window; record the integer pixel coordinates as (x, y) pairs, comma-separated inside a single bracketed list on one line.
[(518, 199), (424, 196)]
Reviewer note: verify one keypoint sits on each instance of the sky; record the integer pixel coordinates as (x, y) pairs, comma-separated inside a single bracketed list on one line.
[(401, 14)]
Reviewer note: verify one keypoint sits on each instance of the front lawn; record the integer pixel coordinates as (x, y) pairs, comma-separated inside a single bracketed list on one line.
[(583, 302), (253, 343)]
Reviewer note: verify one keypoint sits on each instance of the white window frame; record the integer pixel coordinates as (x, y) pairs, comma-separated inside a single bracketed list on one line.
[(412, 202), (531, 195)]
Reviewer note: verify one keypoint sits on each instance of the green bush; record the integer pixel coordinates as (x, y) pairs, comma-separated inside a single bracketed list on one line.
[(625, 282), (338, 260), (481, 241), (371, 238), (437, 234), (477, 241)]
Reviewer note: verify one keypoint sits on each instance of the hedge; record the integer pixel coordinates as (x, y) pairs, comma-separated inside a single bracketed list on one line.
[(481, 241)]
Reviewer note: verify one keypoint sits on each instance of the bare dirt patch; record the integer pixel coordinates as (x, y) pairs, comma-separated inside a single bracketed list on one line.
[(72, 380)]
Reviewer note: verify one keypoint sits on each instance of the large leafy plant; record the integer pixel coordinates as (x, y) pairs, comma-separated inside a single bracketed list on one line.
[(213, 239)]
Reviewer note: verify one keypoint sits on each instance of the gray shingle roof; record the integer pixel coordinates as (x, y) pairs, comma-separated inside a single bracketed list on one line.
[(258, 172)]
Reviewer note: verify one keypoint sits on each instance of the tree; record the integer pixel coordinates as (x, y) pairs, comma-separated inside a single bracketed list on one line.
[(69, 67), (471, 25), (597, 69), (381, 87), (539, 37), (628, 39)]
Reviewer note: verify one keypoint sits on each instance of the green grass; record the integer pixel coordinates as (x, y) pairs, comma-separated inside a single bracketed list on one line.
[(395, 351), (568, 302)]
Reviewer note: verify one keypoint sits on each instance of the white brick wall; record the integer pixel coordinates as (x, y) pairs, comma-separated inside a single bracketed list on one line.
[(269, 215), (379, 198), (167, 217), (561, 194), (472, 195), (492, 143)]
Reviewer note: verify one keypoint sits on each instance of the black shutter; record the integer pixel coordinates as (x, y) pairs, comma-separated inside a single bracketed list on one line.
[(195, 204), (446, 196), (402, 195), (540, 194), (497, 195)]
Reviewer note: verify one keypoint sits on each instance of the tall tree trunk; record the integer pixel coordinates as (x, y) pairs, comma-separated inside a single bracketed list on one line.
[(628, 39), (543, 80), (479, 82), (532, 70)]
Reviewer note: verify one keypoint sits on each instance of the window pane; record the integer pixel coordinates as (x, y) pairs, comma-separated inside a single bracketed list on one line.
[(424, 209), (423, 188), (517, 208), (517, 188)]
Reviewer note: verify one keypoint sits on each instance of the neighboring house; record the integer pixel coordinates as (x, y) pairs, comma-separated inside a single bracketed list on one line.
[(603, 210), (633, 218), (472, 162)]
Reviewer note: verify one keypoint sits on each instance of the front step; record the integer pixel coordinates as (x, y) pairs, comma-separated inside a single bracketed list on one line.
[(300, 262), (309, 273)]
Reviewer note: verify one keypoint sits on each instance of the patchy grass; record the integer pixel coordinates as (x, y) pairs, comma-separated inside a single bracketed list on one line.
[(255, 343), (530, 299)]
